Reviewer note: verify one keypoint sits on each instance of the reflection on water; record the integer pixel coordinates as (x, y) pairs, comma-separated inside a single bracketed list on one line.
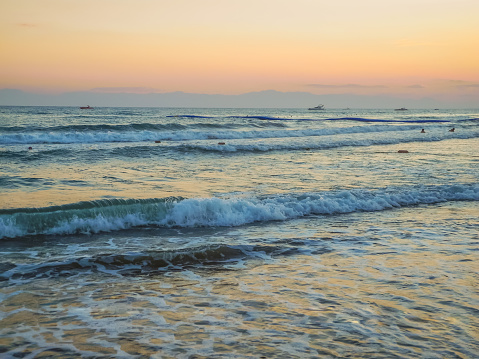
[(261, 174)]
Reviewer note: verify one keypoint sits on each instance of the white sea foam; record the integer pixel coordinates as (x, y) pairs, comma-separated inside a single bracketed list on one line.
[(210, 212), (234, 212)]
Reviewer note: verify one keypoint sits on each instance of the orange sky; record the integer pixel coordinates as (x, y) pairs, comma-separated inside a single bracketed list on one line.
[(414, 47)]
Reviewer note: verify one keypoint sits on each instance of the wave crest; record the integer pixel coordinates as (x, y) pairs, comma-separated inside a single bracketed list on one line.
[(118, 214)]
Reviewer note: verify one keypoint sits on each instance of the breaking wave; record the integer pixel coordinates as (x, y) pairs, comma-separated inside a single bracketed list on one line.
[(128, 136), (118, 214)]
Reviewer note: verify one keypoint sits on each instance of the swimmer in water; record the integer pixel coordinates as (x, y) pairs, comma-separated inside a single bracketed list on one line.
[(422, 131), (452, 129)]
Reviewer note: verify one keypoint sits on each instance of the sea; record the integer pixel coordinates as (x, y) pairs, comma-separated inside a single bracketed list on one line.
[(238, 233)]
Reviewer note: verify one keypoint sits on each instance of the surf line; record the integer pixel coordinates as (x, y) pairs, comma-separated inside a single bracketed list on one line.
[(360, 119)]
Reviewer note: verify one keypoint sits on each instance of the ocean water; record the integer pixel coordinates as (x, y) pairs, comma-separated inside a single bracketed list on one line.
[(238, 233)]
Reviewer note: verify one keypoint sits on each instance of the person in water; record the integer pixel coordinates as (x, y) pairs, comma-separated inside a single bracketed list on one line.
[(452, 129), (422, 131)]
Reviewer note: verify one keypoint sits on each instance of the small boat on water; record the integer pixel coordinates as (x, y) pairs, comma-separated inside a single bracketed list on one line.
[(86, 107), (319, 107), (400, 109)]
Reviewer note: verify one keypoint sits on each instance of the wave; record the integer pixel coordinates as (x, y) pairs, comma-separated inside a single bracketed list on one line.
[(359, 139), (239, 142), (271, 118), (90, 137), (360, 119), (146, 262), (131, 127), (219, 122), (115, 128), (118, 214), (472, 119), (190, 116)]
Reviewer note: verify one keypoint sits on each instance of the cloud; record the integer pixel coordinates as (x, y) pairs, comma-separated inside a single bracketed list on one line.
[(415, 87), (456, 84), (346, 86), (468, 86), (27, 24), (414, 43), (139, 90)]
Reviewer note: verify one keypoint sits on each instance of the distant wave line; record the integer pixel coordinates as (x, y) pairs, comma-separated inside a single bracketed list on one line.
[(269, 118), (184, 135)]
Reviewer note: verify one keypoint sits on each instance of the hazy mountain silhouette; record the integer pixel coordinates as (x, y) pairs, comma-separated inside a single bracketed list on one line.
[(261, 99)]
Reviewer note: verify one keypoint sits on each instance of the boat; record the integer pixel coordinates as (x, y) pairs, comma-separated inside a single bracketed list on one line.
[(86, 107), (319, 107), (400, 109)]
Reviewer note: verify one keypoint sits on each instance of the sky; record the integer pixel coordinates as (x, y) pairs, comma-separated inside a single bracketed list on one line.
[(411, 48)]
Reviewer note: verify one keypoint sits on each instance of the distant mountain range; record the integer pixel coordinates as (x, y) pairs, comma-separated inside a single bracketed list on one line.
[(262, 99)]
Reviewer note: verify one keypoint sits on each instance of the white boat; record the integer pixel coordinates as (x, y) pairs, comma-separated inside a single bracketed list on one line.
[(319, 107)]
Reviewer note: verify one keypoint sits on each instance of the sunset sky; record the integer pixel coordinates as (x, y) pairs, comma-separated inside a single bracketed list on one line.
[(410, 47)]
